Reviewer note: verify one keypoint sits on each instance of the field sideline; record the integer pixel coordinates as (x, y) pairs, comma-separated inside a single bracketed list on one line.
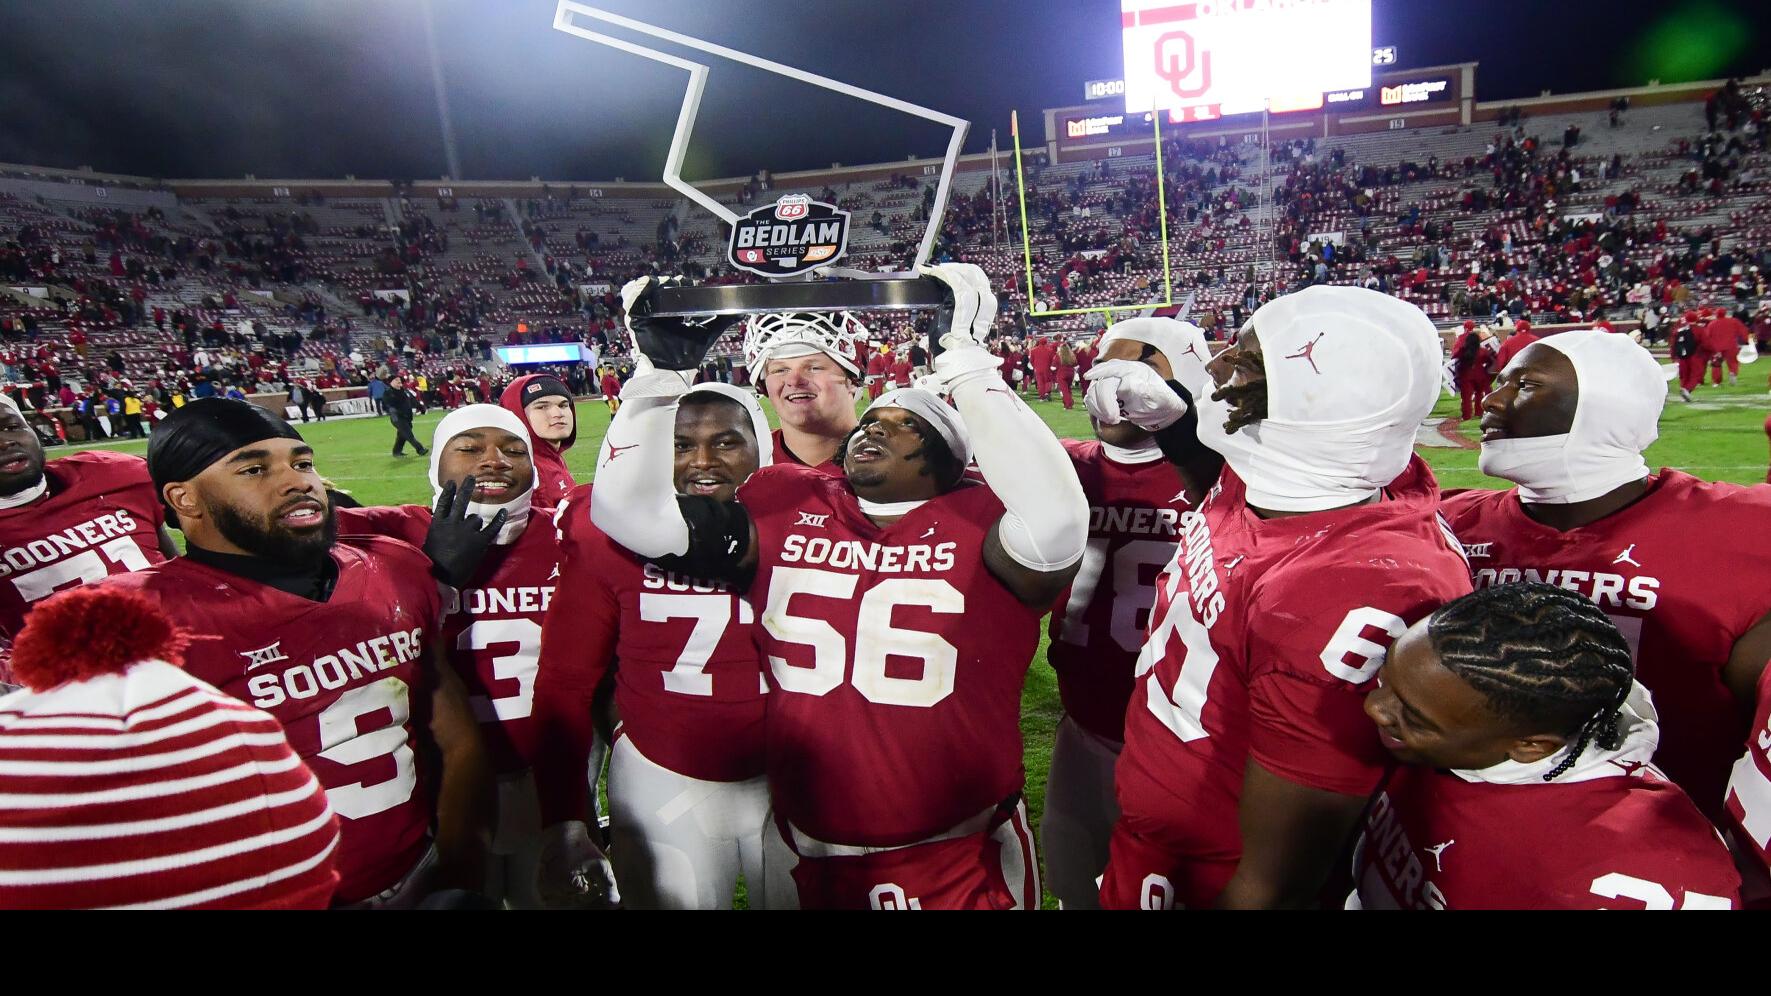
[(1720, 436)]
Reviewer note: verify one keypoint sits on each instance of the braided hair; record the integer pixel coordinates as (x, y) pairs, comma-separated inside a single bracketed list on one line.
[(1248, 400), (1542, 656)]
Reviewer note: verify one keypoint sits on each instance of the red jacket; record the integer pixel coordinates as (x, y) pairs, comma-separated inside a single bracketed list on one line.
[(1482, 370), (1723, 335), (552, 479), (1511, 348)]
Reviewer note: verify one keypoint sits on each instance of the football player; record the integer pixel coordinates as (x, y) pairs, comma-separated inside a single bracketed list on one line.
[(802, 364), (545, 406), (1248, 757), (1514, 707), (1568, 422), (900, 608), (1135, 499), (70, 521), (335, 638), (491, 628), (687, 799)]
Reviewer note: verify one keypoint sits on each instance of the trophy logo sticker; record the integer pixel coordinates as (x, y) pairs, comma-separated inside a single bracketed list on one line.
[(789, 237)]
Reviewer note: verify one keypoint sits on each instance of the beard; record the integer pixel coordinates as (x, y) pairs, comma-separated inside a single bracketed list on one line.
[(262, 536)]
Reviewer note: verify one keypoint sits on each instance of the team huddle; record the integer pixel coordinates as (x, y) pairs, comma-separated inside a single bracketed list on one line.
[(1294, 672)]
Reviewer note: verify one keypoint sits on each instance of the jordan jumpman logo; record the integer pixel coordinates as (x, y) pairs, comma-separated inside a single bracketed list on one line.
[(1436, 850), (1308, 348), (1625, 558)]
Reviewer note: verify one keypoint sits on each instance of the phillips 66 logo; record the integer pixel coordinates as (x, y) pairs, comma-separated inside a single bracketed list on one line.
[(790, 236)]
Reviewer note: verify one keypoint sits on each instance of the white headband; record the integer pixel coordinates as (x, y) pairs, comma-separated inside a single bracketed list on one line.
[(1616, 418), (937, 413), (470, 417), (1350, 375), (759, 422), (1183, 344)]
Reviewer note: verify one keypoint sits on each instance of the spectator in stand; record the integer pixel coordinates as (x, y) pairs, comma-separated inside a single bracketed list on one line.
[(377, 389)]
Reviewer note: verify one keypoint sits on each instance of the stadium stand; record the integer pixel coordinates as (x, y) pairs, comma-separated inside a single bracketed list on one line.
[(1565, 217)]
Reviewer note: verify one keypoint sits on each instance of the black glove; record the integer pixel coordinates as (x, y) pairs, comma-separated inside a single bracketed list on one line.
[(457, 540), (670, 343)]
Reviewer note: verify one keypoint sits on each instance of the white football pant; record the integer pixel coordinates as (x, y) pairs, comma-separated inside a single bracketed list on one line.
[(1080, 810), (679, 842)]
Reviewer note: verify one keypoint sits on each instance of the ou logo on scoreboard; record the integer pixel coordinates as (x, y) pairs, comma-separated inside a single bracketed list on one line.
[(1176, 60), (890, 896)]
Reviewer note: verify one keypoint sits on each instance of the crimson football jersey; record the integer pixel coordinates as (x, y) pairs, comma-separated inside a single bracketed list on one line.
[(100, 516), (1134, 514), (492, 628), (895, 660), (1263, 643), (348, 678), (1612, 833), (688, 682), (832, 466), (1679, 594), (1749, 799)]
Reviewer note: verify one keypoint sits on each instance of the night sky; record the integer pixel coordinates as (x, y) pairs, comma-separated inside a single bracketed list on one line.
[(324, 88)]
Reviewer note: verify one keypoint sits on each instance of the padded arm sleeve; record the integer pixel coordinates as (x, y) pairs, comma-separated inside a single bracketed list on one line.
[(1045, 523), (635, 499)]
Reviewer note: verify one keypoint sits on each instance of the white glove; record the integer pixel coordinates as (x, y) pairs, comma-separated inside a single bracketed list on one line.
[(1130, 391), (963, 357), (572, 872), (974, 303)]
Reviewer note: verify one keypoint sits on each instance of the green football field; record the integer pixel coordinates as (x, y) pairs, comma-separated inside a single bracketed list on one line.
[(1719, 436)]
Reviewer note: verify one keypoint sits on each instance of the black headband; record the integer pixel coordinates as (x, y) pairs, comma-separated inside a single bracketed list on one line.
[(190, 439)]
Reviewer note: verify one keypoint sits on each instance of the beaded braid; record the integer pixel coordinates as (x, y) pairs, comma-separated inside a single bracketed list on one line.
[(1541, 655)]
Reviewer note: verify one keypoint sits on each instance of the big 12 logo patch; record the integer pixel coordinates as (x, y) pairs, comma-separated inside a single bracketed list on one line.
[(788, 237)]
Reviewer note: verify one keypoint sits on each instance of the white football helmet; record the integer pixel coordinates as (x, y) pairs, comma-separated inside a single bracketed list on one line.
[(796, 333)]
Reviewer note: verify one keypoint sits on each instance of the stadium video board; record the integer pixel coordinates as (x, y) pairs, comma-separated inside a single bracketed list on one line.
[(547, 352), (1210, 58)]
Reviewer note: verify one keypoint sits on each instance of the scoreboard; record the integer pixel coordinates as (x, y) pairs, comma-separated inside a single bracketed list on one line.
[(1205, 59)]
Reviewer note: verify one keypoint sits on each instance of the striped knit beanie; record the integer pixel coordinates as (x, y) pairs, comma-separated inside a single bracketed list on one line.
[(126, 782)]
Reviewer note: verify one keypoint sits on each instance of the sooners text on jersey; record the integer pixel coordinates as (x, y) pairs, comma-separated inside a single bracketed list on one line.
[(1264, 640), (896, 660), (346, 677), (100, 516), (1133, 526), (493, 627), (1627, 840), (1680, 609)]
